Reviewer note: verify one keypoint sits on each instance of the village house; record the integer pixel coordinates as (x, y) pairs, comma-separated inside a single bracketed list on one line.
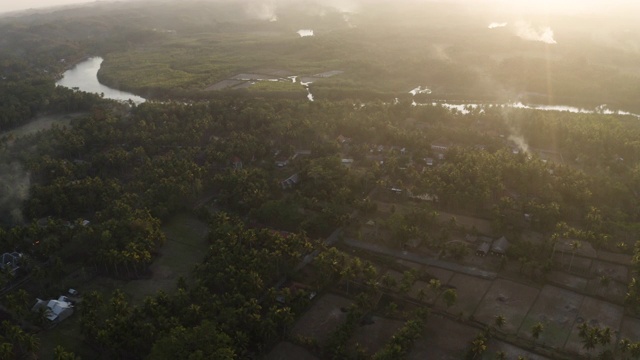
[(289, 182), (483, 249), (54, 310), (11, 262), (500, 247)]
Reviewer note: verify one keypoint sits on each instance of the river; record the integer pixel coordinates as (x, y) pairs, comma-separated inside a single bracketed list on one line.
[(84, 76)]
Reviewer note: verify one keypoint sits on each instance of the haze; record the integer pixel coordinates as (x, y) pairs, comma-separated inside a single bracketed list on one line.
[(564, 6)]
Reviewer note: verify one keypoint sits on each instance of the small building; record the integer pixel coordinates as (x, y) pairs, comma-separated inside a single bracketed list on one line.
[(483, 249), (289, 182), (236, 163), (11, 262), (347, 162), (342, 140), (282, 161), (500, 246), (54, 310)]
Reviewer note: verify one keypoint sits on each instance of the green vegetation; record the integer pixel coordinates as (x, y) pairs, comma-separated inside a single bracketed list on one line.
[(205, 226)]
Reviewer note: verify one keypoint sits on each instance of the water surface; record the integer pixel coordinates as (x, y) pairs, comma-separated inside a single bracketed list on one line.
[(84, 77)]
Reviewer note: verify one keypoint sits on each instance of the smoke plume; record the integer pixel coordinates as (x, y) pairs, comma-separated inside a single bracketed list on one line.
[(495, 25), (264, 10), (14, 190), (526, 31)]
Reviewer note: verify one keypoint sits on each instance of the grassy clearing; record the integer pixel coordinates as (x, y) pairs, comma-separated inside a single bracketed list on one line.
[(42, 123), (184, 248), (277, 86)]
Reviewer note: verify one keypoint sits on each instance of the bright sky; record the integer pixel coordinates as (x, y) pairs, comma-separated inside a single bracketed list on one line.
[(13, 5), (523, 5)]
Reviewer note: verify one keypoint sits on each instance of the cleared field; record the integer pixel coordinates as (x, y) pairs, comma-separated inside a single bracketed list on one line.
[(511, 351), (470, 291), (372, 337), (42, 123), (509, 299), (568, 280), (443, 339), (322, 318), (441, 274), (578, 264), (68, 335), (185, 247), (286, 350), (557, 310), (221, 85), (614, 291), (483, 226), (630, 328), (622, 259), (613, 271), (595, 313), (429, 296)]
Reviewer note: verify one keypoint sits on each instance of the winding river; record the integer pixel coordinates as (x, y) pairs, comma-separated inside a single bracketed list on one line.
[(84, 77)]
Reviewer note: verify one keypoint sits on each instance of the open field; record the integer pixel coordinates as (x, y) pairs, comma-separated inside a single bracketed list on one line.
[(613, 271), (557, 310), (443, 339), (622, 259), (286, 350), (595, 313), (184, 248), (441, 274), (614, 291), (323, 317), (68, 335), (568, 280), (372, 337), (483, 226), (470, 291), (512, 352), (630, 328), (42, 123), (509, 299)]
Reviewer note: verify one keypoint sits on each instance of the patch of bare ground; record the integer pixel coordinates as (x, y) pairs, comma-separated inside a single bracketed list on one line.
[(286, 350), (509, 299), (323, 317), (443, 339)]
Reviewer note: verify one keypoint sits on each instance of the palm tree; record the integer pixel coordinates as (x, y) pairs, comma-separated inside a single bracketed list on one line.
[(624, 345), (634, 350), (449, 296), (499, 321), (478, 346), (575, 245), (536, 330)]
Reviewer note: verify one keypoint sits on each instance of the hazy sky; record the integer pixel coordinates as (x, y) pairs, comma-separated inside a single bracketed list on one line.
[(12, 5), (524, 5)]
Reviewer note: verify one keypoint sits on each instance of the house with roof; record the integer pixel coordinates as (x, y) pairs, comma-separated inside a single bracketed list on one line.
[(440, 145), (483, 249), (236, 163), (289, 182), (54, 310), (500, 246), (11, 262)]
